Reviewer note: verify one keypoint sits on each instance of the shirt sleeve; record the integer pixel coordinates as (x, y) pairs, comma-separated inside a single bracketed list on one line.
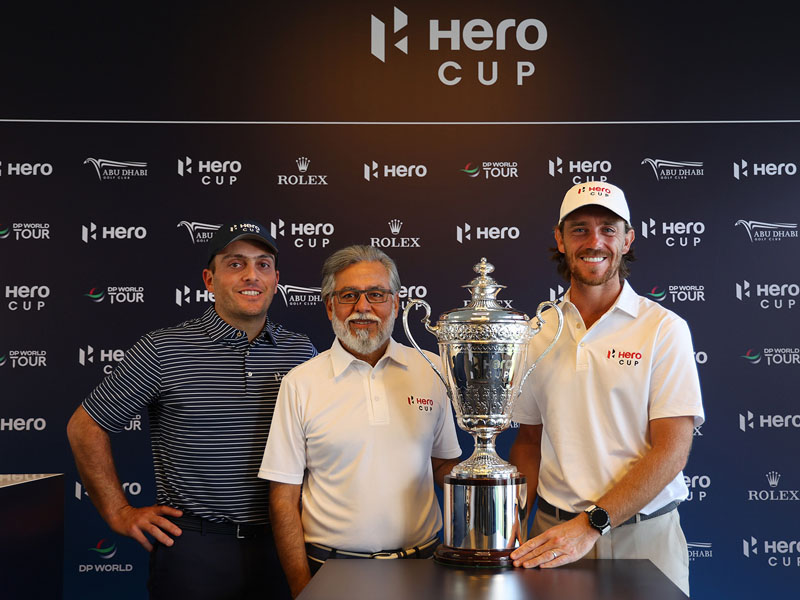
[(128, 389), (674, 384), (285, 454)]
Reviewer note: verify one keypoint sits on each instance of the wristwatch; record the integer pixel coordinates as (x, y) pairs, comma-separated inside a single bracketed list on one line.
[(599, 519)]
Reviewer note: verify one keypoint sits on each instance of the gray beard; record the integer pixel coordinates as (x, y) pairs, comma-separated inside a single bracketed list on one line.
[(361, 342)]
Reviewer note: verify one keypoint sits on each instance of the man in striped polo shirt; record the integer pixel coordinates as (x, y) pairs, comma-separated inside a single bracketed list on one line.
[(209, 386)]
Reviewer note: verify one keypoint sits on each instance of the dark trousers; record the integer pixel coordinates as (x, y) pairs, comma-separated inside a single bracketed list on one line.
[(216, 567)]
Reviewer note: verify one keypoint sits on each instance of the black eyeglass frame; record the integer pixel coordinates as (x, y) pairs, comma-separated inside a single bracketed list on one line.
[(358, 293)]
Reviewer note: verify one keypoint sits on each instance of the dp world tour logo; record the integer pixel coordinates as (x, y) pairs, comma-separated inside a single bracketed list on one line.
[(761, 231), (5, 231), (472, 171), (752, 357), (96, 295), (378, 35), (105, 552), (657, 295)]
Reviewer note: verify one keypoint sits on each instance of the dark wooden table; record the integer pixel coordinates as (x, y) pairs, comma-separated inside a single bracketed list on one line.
[(427, 580)]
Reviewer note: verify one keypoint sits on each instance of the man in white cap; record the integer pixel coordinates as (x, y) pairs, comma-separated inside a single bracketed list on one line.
[(607, 418)]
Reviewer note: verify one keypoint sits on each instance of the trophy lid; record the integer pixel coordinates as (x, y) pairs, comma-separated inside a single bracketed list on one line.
[(484, 307)]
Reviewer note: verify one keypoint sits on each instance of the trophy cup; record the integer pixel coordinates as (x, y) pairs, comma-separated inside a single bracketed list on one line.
[(483, 348)]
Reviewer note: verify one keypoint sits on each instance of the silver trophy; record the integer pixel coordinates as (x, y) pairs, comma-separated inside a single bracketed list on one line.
[(483, 347)]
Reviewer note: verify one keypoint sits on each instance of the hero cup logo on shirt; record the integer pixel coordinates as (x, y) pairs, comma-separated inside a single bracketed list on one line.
[(625, 358), (422, 404)]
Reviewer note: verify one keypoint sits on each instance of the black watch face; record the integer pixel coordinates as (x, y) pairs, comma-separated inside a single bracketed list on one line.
[(599, 518)]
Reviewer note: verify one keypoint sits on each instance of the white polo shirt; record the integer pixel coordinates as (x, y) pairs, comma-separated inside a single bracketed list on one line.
[(360, 440), (596, 392)]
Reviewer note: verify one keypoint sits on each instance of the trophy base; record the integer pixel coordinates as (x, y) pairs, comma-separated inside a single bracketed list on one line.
[(484, 520), (477, 559)]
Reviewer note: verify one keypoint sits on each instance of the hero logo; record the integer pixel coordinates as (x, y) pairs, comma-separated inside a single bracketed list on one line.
[(87, 356), (113, 232), (26, 169), (211, 171), (306, 235), (748, 421), (582, 170), (24, 358), (772, 295), (26, 297), (422, 404), (625, 358), (184, 295), (557, 293), (23, 424), (676, 232), (778, 553), (26, 231), (372, 171), (411, 292), (745, 169), (395, 225), (701, 483), (772, 494), (478, 35), (486, 233), (133, 488)]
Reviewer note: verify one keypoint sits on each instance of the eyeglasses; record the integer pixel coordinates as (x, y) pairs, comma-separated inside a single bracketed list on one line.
[(373, 296)]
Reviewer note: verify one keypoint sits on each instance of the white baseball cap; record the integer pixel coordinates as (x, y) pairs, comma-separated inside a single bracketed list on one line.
[(600, 193)]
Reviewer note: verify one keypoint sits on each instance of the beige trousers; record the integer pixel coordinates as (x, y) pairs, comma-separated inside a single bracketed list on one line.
[(659, 539)]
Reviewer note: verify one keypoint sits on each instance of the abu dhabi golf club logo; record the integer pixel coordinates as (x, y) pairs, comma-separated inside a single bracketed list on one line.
[(295, 295), (763, 231), (200, 232), (743, 169), (476, 35), (700, 550), (116, 169), (302, 162), (665, 170)]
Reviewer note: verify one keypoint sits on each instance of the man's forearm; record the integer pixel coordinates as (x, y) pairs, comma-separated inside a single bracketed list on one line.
[(287, 528), (91, 449)]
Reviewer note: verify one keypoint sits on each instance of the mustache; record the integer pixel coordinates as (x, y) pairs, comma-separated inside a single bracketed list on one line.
[(357, 316)]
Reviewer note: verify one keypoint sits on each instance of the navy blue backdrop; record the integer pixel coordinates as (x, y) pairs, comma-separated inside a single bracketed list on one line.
[(126, 137)]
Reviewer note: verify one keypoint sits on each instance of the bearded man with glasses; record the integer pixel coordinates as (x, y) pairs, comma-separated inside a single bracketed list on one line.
[(360, 433)]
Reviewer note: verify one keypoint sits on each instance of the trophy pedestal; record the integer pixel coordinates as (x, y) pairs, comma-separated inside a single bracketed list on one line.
[(484, 518)]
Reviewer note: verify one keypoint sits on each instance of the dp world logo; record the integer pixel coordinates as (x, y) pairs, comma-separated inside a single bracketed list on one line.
[(378, 34), (96, 295), (657, 295), (752, 356), (105, 552)]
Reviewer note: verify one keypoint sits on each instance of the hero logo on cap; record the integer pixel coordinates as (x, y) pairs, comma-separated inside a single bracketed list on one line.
[(598, 193)]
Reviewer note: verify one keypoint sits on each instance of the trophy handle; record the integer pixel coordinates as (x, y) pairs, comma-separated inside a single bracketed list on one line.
[(538, 329), (432, 329)]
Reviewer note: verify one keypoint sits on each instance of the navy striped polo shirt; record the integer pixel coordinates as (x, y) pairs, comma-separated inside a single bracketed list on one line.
[(210, 395)]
